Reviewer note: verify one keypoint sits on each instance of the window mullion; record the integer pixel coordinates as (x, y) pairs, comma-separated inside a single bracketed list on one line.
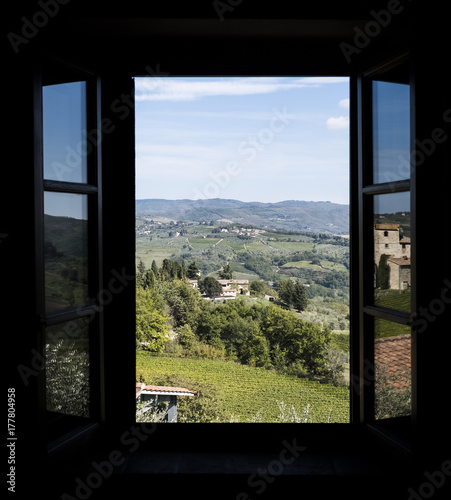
[(387, 187), (388, 314), (69, 187)]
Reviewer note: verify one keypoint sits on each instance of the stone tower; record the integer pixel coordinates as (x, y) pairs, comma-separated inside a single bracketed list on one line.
[(397, 250)]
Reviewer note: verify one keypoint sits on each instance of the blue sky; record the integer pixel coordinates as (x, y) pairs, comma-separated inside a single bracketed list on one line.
[(253, 139)]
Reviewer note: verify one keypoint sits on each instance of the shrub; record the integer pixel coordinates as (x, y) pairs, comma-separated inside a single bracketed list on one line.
[(185, 336)]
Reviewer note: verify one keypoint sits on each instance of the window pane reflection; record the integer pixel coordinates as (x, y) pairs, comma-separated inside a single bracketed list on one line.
[(67, 368), (392, 360), (65, 251), (391, 132), (65, 142), (392, 260)]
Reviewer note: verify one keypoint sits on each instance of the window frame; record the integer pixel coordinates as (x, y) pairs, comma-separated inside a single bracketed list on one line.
[(66, 429), (362, 354), (396, 429)]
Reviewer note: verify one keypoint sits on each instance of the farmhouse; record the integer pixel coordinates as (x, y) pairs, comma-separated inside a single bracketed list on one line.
[(156, 394), (230, 288), (241, 286), (387, 241)]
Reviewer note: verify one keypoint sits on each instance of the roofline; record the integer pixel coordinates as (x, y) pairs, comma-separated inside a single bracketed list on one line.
[(166, 393)]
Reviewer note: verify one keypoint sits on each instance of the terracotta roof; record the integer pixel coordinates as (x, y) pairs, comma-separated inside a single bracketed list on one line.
[(394, 353), (400, 261), (391, 227), (159, 389), (240, 282)]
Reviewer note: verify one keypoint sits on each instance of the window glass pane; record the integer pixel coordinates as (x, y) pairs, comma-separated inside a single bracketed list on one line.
[(65, 132), (65, 250), (391, 132), (67, 368), (392, 370), (392, 261)]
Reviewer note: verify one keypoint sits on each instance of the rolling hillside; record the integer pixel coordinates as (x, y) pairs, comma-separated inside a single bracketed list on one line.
[(315, 216)]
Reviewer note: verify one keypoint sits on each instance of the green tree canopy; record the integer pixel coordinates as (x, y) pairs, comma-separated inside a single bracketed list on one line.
[(226, 273), (299, 296), (285, 289), (210, 286), (193, 271), (152, 324), (185, 303), (261, 288)]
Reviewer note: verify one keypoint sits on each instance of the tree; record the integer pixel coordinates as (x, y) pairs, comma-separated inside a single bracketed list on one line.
[(185, 303), (383, 273), (185, 336), (152, 325), (210, 286), (226, 272), (183, 270), (141, 267), (261, 288), (148, 280), (299, 296), (140, 273), (286, 291), (291, 339), (168, 269), (193, 271), (155, 270)]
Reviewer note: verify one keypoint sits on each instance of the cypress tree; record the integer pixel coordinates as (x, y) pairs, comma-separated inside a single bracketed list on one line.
[(383, 273), (193, 271), (154, 268), (299, 296)]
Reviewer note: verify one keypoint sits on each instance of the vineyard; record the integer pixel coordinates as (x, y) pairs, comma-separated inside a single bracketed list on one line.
[(247, 393)]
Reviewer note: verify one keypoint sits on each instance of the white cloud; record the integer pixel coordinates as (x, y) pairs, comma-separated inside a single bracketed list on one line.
[(182, 89), (337, 123), (344, 103)]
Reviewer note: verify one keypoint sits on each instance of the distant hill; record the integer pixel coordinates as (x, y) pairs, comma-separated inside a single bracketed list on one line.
[(314, 216)]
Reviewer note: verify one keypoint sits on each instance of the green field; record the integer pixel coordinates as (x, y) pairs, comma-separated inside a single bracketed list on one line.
[(393, 299), (147, 254), (203, 242), (244, 391), (291, 246)]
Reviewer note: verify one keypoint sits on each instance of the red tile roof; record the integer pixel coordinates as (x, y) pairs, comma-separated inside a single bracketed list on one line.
[(391, 227), (394, 353), (159, 389), (401, 261)]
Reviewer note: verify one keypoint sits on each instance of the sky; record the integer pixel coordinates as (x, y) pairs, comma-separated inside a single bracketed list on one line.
[(264, 139)]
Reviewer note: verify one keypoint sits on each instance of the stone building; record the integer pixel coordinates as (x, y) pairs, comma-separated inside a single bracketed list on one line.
[(387, 240)]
